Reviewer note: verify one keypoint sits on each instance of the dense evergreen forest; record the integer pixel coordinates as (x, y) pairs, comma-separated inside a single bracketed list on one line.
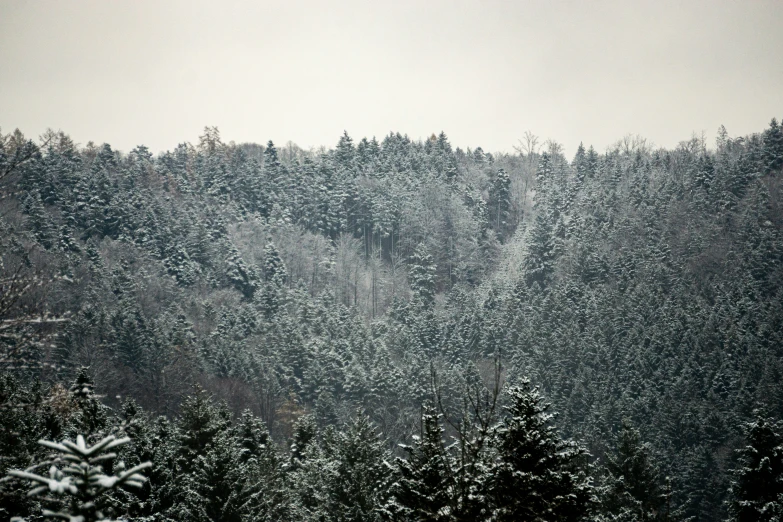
[(392, 330)]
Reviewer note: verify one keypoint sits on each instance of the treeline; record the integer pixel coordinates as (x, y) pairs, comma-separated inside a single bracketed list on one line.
[(208, 464), (638, 287), (268, 274)]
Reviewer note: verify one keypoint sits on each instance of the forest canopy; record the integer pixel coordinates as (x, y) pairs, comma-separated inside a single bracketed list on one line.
[(393, 330)]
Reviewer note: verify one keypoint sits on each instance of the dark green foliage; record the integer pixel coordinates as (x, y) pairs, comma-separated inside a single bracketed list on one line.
[(422, 276), (540, 261), (537, 475), (304, 285), (757, 489), (634, 490), (39, 221), (201, 422), (91, 415), (242, 276), (424, 483), (19, 420), (499, 203), (357, 477), (303, 440), (81, 478), (30, 412), (275, 277), (345, 151), (773, 147)]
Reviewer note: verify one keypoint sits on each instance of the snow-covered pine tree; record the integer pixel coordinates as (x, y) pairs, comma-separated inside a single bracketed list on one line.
[(77, 481), (91, 416), (500, 203), (275, 277), (424, 482), (757, 489), (244, 277), (773, 147), (345, 151), (633, 484), (359, 481), (537, 475), (422, 276)]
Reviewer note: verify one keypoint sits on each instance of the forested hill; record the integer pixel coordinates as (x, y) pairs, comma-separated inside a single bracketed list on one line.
[(394, 292)]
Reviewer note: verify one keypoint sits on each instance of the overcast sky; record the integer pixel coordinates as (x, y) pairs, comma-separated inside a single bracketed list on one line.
[(156, 72)]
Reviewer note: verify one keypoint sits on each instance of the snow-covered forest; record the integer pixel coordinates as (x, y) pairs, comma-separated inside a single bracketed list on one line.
[(392, 329)]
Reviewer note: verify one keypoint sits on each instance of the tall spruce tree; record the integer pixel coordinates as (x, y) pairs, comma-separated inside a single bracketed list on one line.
[(422, 271), (634, 489), (424, 483), (757, 489), (537, 475)]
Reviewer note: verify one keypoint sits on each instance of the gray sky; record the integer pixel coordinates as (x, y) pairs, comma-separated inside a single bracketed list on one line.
[(156, 72)]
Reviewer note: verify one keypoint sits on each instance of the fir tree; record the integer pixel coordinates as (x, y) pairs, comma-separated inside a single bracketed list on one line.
[(634, 490), (500, 202), (422, 276), (537, 475), (359, 484), (91, 416), (345, 151), (39, 221), (244, 277), (773, 147), (757, 491), (199, 424), (424, 483), (81, 478)]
